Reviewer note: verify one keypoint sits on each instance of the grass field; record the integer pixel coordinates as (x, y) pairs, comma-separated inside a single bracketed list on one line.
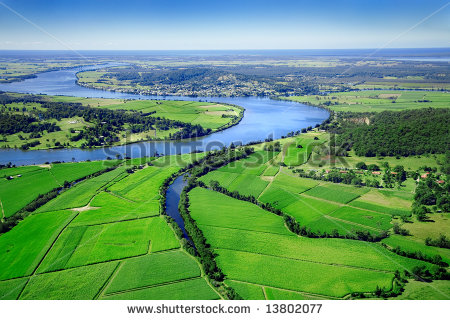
[(306, 276), (106, 208), (363, 217), (412, 244), (154, 269), (334, 193), (215, 209), (40, 180), (279, 294), (84, 245), (252, 255), (19, 257), (143, 185), (195, 289), (299, 150), (416, 290), (376, 101), (247, 291), (10, 289), (81, 193), (74, 284)]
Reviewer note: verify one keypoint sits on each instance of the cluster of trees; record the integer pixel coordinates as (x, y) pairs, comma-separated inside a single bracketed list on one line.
[(274, 147), (11, 123), (403, 133), (441, 242), (107, 124), (431, 193), (437, 259)]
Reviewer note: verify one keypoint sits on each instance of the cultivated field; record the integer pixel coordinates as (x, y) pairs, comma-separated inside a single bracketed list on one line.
[(110, 243)]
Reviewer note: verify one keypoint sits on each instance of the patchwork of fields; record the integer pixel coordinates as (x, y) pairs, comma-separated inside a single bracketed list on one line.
[(104, 238), (319, 206), (254, 245), (38, 180)]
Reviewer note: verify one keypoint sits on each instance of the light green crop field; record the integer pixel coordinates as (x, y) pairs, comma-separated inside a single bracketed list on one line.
[(294, 184), (254, 256), (279, 294), (412, 244), (106, 208), (248, 184), (19, 257), (247, 291), (154, 269), (208, 115), (363, 217), (10, 289), (334, 193), (215, 209), (375, 101), (82, 193), (40, 180), (73, 284), (79, 246), (195, 289), (305, 276), (343, 252), (299, 150), (144, 184), (416, 290), (73, 253), (271, 171), (385, 201)]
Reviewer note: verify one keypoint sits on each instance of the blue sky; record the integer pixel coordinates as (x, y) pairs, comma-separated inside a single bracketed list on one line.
[(226, 24)]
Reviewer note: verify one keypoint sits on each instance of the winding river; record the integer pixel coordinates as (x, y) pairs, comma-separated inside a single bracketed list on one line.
[(263, 118)]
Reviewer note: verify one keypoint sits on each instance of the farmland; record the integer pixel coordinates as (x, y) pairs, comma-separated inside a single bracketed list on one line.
[(376, 101), (242, 249), (320, 206), (40, 180), (107, 235)]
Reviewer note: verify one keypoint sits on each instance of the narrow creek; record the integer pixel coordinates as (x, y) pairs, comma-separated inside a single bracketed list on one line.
[(173, 199)]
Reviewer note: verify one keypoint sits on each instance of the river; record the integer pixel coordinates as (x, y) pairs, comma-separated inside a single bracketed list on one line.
[(263, 118)]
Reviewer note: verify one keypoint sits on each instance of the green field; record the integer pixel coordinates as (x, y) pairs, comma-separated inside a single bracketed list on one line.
[(82, 193), (246, 290), (38, 180), (74, 284), (243, 247), (11, 289), (306, 276), (376, 101), (195, 289), (17, 257), (412, 244), (79, 246), (210, 208), (152, 270), (106, 208), (74, 253), (334, 193), (208, 115)]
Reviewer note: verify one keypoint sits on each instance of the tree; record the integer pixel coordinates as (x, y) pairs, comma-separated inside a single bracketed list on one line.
[(361, 165)]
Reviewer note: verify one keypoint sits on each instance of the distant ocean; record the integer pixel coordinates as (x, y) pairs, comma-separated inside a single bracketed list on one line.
[(431, 54)]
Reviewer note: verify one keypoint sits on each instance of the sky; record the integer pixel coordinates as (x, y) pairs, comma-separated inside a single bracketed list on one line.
[(225, 24)]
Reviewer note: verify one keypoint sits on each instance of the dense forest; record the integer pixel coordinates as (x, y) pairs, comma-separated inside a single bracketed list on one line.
[(107, 124), (388, 133)]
